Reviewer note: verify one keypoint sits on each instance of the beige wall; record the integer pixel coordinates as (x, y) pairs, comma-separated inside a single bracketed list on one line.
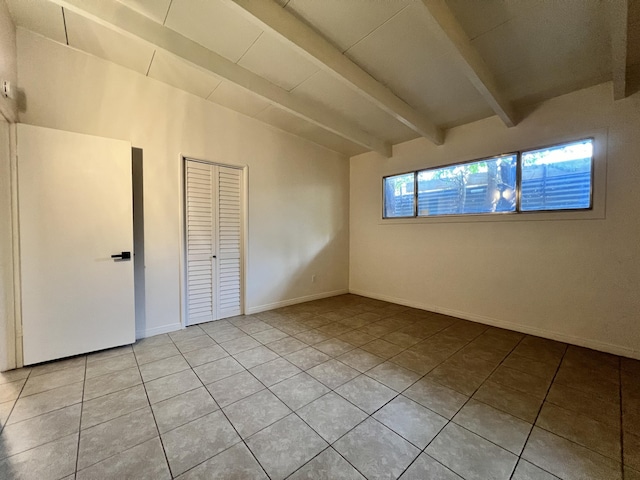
[(8, 71), (575, 280), (298, 191)]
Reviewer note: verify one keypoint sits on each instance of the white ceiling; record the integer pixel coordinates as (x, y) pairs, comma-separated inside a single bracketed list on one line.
[(535, 49)]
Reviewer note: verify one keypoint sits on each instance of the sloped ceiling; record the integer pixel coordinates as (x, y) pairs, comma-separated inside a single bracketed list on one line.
[(355, 75)]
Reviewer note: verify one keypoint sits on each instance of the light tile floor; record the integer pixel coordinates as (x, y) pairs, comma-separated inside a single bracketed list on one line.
[(341, 388)]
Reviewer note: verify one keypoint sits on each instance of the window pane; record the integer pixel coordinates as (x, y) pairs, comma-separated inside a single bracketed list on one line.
[(557, 178), (398, 195), (487, 186)]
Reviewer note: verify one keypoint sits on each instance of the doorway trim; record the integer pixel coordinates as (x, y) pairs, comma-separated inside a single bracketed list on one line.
[(244, 232)]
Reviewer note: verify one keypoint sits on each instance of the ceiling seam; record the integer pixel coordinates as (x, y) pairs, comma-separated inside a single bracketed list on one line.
[(151, 62), (249, 48), (167, 14), (377, 28), (64, 23)]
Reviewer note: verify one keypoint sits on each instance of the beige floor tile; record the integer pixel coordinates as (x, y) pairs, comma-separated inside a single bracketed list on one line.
[(425, 467), (154, 353), (197, 441), (436, 397), (602, 438), (195, 343), (142, 462), (333, 373), (299, 390), (268, 336), (51, 461), (518, 404), (256, 412), (274, 371), (10, 391), (286, 345), (110, 365), (376, 451), (285, 446), (118, 435), (255, 356), (172, 385), (417, 361), (112, 382), (356, 338), (331, 416), (411, 420), (521, 381), (240, 344), (333, 347), (360, 359), (234, 388), (39, 430), (162, 368), (584, 404), (568, 460), (152, 342), (5, 410), (49, 381), (218, 369), (108, 353), (529, 365), (632, 450), (184, 408), (186, 333), (34, 405), (312, 337), (328, 465), (235, 462), (382, 348), (528, 471), (14, 375), (58, 365), (496, 426), (366, 393), (205, 355), (470, 455), (113, 405), (307, 358), (459, 379), (393, 376)]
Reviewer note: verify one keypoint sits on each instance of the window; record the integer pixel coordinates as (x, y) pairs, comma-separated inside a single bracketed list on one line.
[(551, 178), (557, 178)]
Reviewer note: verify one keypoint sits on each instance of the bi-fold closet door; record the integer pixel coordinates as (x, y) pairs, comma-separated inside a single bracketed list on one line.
[(213, 213)]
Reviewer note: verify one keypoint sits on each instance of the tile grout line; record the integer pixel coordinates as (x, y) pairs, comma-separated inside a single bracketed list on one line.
[(84, 379), (15, 402), (153, 414), (449, 421), (535, 420)]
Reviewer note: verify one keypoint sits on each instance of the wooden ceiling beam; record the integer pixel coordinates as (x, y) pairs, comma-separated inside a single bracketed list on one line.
[(273, 18), (117, 16), (469, 60)]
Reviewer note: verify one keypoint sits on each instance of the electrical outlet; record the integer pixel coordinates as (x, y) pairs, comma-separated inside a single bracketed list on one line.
[(313, 279)]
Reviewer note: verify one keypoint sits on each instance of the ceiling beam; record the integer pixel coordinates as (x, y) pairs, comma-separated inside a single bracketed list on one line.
[(468, 59), (129, 22), (619, 42), (273, 18)]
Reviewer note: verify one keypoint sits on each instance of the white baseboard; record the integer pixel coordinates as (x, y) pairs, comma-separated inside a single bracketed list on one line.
[(294, 301), (539, 332), (150, 332)]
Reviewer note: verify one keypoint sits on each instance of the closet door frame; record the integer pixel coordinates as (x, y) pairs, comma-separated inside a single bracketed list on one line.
[(244, 228)]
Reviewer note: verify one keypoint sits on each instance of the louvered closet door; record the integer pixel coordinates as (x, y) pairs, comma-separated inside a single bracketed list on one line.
[(213, 229), (229, 246)]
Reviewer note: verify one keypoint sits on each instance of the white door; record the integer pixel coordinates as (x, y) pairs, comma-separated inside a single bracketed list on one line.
[(213, 213), (75, 212)]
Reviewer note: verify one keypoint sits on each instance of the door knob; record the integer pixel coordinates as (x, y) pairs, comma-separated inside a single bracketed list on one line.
[(122, 256)]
